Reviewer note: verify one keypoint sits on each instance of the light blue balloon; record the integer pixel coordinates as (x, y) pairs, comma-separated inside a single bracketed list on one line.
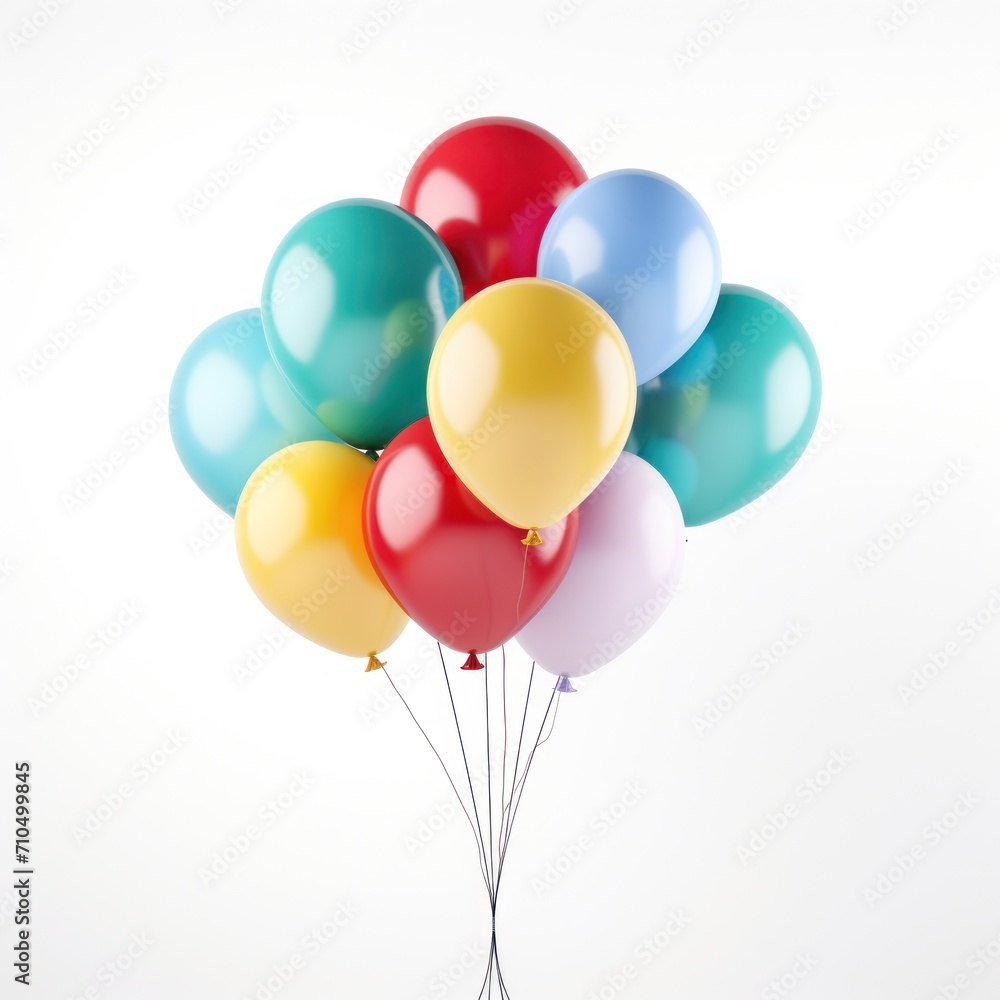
[(230, 408), (642, 247)]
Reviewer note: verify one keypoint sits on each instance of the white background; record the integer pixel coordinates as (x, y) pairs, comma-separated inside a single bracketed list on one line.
[(605, 78)]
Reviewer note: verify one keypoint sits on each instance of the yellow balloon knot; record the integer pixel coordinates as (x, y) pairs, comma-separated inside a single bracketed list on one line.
[(532, 537), (374, 663)]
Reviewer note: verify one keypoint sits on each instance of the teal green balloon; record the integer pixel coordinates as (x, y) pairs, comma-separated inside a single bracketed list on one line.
[(230, 408), (354, 300), (731, 417)]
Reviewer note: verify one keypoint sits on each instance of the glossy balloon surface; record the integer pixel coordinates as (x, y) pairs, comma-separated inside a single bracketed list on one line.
[(301, 547), (531, 393), (642, 247), (230, 408), (488, 187), (625, 571), (731, 417), (460, 572), (353, 301)]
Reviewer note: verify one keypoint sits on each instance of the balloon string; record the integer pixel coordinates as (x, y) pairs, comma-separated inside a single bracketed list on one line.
[(503, 775), (468, 774), (520, 593), (489, 972), (491, 867), (503, 986), (555, 696), (552, 726), (545, 740), (517, 760), (503, 792), (495, 843), (493, 970), (494, 963), (489, 777), (447, 773)]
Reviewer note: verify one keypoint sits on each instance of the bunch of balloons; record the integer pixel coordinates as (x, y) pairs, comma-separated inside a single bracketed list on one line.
[(493, 408)]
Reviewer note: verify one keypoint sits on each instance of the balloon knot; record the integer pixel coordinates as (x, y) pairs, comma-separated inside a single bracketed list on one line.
[(374, 663), (564, 686), (472, 663), (532, 537)]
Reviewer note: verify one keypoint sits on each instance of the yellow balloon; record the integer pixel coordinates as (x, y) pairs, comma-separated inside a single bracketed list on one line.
[(301, 547), (531, 393)]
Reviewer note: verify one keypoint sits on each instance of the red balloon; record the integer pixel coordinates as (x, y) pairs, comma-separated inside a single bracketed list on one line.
[(488, 188), (457, 570)]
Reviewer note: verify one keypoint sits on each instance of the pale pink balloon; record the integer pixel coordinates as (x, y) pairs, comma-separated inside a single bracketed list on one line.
[(626, 568)]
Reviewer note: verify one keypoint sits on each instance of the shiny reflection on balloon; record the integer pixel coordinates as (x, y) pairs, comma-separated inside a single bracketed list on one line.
[(615, 376), (579, 248), (406, 515), (730, 418), (488, 187), (456, 568), (788, 396), (300, 544), (230, 408), (643, 248), (625, 570), (473, 350), (444, 197), (531, 394), (698, 279), (355, 297), (440, 296), (277, 519), (218, 419), (302, 317)]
